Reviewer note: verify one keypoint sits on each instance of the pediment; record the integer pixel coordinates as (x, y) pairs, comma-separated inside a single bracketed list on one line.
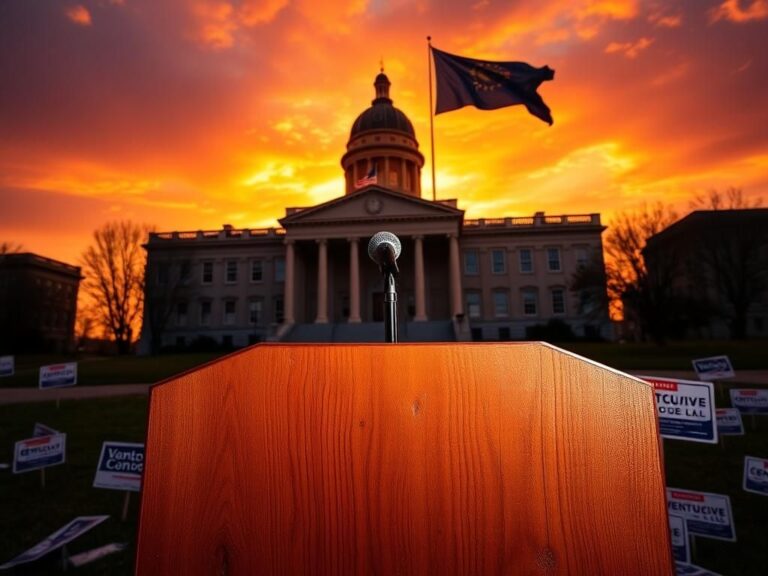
[(370, 204)]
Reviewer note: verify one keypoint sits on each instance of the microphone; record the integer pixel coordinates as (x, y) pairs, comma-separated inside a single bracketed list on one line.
[(384, 249)]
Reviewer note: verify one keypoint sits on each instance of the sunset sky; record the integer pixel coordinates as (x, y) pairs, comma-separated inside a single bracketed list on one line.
[(190, 114)]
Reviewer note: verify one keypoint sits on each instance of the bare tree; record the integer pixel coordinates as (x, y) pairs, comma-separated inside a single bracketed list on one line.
[(646, 299), (10, 247), (113, 267), (732, 251), (730, 199)]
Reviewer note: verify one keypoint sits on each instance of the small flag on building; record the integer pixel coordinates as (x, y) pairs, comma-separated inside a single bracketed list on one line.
[(368, 179), (488, 85)]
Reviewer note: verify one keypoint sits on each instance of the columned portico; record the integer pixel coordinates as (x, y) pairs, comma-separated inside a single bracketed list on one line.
[(354, 281), (290, 281), (322, 282), (418, 276), (455, 275)]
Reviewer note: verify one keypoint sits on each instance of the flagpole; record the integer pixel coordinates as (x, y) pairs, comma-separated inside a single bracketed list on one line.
[(431, 116)]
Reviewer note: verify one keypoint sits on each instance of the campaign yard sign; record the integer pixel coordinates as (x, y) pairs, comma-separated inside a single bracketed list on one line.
[(120, 466), (756, 475), (750, 400), (713, 368), (58, 375), (6, 366), (686, 409), (679, 533), (43, 430), (39, 452), (705, 514), (63, 535), (729, 422), (687, 569)]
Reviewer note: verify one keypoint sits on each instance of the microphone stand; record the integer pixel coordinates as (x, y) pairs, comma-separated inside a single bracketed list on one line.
[(390, 306)]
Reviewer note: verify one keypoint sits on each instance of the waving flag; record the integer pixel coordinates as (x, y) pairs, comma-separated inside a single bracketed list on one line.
[(368, 179), (488, 85)]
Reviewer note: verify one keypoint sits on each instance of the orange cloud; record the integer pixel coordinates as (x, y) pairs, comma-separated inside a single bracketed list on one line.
[(665, 20), (629, 49), (79, 15), (732, 10)]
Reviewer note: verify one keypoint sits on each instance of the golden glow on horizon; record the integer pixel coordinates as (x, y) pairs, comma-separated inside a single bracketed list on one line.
[(232, 111)]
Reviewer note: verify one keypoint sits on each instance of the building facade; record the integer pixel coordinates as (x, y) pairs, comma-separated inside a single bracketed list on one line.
[(38, 303), (714, 265), (311, 280)]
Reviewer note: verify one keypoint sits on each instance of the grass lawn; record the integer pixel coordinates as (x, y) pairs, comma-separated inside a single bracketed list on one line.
[(29, 512), (99, 370)]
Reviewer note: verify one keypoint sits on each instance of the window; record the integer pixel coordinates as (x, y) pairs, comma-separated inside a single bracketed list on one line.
[(505, 333), (162, 273), (255, 311), (471, 264), (582, 256), (473, 305), (205, 313), (231, 271), (257, 271), (185, 271), (526, 260), (553, 259), (498, 262), (181, 314), (500, 304), (279, 269), (229, 312), (207, 276), (530, 301), (558, 301), (278, 309)]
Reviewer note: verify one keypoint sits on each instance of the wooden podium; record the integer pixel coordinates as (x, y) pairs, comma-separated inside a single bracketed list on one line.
[(408, 459)]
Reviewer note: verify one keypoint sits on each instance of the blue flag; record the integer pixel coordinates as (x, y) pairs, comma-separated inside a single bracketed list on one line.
[(488, 85)]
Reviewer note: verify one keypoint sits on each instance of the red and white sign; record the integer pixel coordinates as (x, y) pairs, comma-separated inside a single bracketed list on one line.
[(58, 375), (39, 452)]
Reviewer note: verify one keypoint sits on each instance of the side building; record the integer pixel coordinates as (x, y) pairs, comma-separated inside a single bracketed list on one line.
[(714, 266), (310, 279), (38, 303)]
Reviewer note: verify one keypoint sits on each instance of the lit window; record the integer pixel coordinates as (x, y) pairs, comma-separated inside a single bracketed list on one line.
[(553, 259), (526, 260), (558, 301), (498, 262), (231, 271), (530, 302), (500, 304), (473, 305), (471, 264)]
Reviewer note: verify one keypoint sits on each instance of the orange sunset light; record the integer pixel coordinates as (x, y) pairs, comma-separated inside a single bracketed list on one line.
[(190, 114)]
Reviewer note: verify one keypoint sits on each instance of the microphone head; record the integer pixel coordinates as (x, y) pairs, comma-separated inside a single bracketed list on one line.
[(381, 240)]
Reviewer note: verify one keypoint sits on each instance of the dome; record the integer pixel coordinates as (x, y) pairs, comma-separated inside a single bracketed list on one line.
[(382, 115)]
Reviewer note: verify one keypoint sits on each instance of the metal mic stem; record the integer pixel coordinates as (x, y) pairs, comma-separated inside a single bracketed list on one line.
[(390, 308)]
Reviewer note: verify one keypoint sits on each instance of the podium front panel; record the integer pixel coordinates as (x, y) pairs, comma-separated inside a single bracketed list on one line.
[(403, 459)]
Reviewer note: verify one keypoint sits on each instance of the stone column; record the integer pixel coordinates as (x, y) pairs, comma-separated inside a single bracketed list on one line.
[(455, 276), (354, 281), (290, 281), (421, 308), (322, 282)]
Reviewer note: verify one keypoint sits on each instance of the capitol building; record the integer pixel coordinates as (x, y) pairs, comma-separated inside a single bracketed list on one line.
[(310, 279)]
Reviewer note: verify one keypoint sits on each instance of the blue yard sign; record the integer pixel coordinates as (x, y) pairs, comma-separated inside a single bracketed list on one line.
[(705, 514), (686, 409), (756, 475)]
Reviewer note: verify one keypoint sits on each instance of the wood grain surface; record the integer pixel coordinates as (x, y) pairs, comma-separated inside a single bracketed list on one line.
[(403, 459)]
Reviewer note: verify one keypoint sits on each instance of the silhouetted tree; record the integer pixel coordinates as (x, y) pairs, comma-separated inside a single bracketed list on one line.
[(10, 247), (113, 267), (648, 300)]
